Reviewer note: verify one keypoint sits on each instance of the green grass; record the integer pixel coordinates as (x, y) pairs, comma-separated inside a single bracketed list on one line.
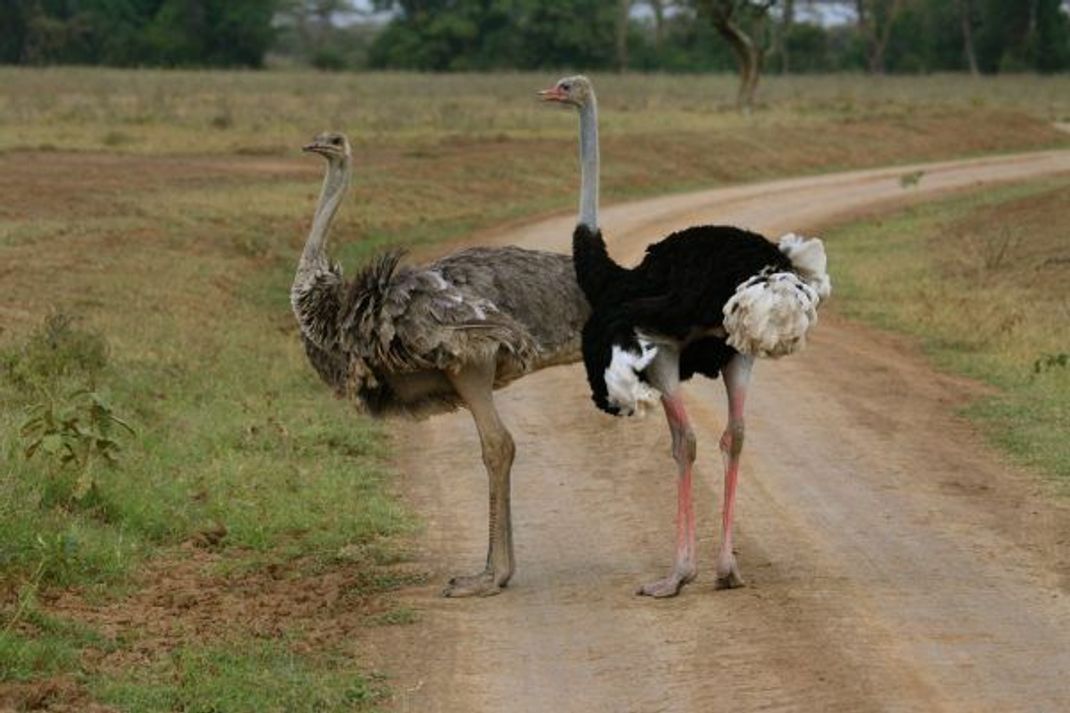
[(394, 617), (243, 677), (41, 645), (243, 440), (27, 657), (233, 435), (982, 280)]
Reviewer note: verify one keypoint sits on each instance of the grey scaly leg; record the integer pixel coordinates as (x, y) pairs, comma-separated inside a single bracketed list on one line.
[(475, 385)]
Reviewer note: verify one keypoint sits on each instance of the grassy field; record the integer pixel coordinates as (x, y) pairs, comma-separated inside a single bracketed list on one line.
[(149, 223), (983, 280), (268, 113)]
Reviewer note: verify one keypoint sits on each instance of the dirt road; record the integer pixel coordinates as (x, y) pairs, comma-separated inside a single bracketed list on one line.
[(894, 563)]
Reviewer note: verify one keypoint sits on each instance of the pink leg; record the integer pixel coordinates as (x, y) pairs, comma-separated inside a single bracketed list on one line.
[(683, 451), (736, 376)]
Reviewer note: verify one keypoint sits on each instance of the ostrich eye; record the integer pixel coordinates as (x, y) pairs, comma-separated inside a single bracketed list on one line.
[(336, 141), (566, 86)]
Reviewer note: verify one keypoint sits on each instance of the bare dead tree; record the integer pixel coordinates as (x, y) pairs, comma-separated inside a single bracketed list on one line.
[(875, 19), (966, 16), (658, 8), (624, 9), (730, 19), (787, 20)]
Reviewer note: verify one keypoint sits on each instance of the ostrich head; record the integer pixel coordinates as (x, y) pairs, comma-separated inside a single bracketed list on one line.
[(578, 93), (575, 91), (332, 145)]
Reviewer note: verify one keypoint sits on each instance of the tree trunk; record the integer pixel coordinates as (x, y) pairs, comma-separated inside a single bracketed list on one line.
[(966, 13), (747, 55), (866, 29), (876, 59), (876, 27), (783, 31), (624, 8), (860, 18), (658, 6), (886, 31)]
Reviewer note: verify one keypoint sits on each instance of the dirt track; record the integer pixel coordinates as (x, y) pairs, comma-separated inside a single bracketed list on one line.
[(893, 562)]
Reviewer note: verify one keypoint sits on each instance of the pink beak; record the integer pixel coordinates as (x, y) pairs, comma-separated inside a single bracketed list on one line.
[(555, 94)]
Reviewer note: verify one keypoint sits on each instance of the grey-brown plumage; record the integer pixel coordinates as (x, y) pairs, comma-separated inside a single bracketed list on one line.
[(420, 339), (483, 304)]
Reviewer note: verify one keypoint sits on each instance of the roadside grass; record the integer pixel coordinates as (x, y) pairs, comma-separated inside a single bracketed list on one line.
[(237, 449), (983, 280), (162, 212), (251, 675), (55, 647)]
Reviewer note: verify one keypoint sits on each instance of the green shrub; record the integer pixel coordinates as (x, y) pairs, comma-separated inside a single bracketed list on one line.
[(328, 59), (74, 433), (57, 350)]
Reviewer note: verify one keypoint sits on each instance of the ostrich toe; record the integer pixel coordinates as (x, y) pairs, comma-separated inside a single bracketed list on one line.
[(484, 584)]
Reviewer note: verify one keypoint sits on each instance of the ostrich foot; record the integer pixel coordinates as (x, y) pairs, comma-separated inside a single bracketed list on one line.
[(667, 587), (484, 584), (728, 576)]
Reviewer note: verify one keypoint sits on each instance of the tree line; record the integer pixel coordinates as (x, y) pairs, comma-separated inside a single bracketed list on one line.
[(208, 33), (751, 36), (698, 35)]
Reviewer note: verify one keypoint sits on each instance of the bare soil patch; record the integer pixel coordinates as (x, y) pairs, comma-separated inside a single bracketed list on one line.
[(186, 598)]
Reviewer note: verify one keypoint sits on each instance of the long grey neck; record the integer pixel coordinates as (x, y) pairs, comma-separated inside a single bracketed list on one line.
[(589, 164), (335, 183)]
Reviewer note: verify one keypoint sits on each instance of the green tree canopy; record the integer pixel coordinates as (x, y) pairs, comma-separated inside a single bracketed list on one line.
[(136, 32), (446, 35), (487, 34)]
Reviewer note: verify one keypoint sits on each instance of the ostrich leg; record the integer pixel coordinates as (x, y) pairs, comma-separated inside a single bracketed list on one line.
[(475, 384), (736, 377), (683, 452), (664, 375)]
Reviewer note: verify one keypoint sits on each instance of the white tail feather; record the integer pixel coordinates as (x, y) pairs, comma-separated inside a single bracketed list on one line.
[(808, 258), (624, 388), (771, 314)]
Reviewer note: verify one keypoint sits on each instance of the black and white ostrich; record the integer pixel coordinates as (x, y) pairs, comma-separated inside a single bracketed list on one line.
[(705, 300)]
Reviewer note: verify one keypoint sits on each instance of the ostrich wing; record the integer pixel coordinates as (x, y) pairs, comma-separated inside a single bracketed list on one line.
[(401, 318)]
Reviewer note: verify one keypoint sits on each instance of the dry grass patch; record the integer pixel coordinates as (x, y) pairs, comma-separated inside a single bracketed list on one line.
[(984, 281), (154, 111)]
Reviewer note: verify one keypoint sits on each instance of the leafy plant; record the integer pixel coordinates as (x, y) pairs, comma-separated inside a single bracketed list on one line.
[(55, 552), (74, 433), (1048, 362), (56, 350), (911, 180)]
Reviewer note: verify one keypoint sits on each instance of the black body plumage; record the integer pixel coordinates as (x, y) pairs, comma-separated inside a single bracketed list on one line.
[(678, 291)]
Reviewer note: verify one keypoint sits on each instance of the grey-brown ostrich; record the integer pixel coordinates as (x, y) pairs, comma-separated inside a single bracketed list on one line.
[(416, 340)]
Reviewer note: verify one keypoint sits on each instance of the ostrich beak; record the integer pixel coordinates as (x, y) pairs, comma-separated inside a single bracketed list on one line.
[(315, 147), (554, 94)]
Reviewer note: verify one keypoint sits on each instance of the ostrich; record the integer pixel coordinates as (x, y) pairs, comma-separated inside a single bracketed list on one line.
[(704, 300), (411, 340)]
